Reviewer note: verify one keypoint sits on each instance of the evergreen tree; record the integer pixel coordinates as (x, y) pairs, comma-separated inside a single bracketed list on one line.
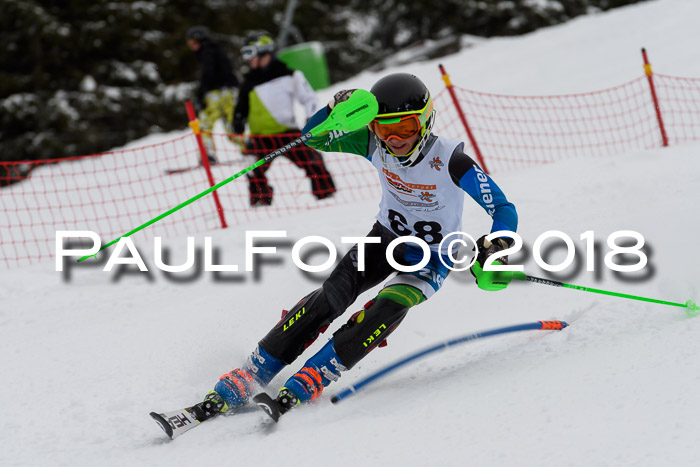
[(81, 77)]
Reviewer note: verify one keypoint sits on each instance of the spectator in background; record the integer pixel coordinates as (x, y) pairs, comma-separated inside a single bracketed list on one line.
[(266, 103), (218, 85)]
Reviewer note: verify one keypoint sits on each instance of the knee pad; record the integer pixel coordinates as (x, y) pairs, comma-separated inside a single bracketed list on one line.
[(402, 294), (299, 327)]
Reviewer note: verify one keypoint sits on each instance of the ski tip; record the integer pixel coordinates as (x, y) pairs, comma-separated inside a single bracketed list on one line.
[(268, 405), (163, 423)]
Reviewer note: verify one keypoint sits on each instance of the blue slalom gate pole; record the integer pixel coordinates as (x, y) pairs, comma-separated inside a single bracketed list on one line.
[(542, 325)]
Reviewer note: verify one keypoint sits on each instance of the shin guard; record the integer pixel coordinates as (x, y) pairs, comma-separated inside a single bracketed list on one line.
[(299, 327), (368, 329)]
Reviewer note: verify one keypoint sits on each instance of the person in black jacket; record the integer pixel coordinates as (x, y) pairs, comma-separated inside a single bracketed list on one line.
[(266, 103), (218, 85)]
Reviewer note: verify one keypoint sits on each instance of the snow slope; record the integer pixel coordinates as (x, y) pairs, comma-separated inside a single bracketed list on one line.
[(586, 54), (84, 361)]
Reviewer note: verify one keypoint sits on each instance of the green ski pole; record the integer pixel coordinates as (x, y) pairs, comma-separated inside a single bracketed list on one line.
[(350, 115), (691, 308)]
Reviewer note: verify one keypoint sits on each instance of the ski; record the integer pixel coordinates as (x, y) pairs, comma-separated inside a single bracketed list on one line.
[(275, 408), (177, 422), (194, 167), (181, 170), (181, 421), (268, 405)]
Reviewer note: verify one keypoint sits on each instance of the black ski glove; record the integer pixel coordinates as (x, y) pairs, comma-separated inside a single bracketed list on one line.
[(489, 280), (340, 96)]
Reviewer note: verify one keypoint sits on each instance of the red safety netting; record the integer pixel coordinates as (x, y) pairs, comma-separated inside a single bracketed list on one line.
[(518, 131), (116, 192), (679, 100)]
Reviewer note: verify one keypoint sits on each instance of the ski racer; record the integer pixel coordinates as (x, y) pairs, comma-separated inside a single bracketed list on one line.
[(423, 179)]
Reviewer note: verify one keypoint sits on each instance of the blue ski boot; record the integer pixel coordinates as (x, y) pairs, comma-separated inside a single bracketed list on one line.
[(308, 383), (235, 388), (304, 386)]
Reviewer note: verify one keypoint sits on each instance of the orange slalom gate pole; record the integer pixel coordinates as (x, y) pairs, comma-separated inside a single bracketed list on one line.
[(657, 108), (463, 118), (194, 124)]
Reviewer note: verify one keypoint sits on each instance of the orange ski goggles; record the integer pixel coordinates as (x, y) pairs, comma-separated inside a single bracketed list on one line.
[(398, 127)]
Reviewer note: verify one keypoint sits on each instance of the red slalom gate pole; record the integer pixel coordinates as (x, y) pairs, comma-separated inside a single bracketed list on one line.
[(194, 124), (463, 118), (657, 108)]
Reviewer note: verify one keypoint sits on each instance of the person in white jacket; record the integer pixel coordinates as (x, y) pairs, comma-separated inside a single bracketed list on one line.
[(266, 103)]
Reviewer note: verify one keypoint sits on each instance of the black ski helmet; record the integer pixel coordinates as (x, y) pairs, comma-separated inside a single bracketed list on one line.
[(198, 33), (405, 94)]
